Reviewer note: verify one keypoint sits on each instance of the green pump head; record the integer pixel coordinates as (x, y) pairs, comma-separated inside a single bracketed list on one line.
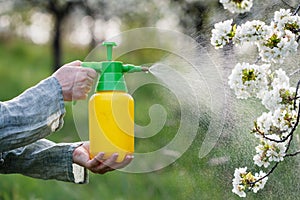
[(111, 72)]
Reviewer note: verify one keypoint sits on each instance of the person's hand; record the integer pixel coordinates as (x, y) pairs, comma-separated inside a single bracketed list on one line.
[(76, 81), (98, 164)]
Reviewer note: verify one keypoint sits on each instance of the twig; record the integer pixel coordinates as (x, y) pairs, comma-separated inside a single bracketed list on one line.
[(296, 94), (293, 154), (279, 141), (270, 172), (297, 10), (296, 71), (257, 60), (289, 144)]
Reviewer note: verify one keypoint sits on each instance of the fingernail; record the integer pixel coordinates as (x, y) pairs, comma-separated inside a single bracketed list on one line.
[(100, 155), (130, 156)]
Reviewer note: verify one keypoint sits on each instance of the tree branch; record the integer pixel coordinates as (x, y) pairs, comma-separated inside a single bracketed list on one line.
[(296, 94), (270, 172), (297, 10), (293, 154)]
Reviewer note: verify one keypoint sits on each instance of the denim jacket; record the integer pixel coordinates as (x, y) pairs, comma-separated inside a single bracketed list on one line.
[(24, 122)]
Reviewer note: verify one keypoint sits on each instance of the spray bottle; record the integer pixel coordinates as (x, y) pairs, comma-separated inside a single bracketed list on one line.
[(111, 108)]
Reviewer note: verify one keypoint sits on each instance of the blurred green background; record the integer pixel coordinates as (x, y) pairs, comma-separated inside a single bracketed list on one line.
[(38, 36)]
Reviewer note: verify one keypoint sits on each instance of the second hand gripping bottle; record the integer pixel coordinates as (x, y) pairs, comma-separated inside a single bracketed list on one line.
[(111, 108)]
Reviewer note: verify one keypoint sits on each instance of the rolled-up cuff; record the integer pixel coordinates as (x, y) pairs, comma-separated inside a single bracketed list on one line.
[(45, 160), (77, 173)]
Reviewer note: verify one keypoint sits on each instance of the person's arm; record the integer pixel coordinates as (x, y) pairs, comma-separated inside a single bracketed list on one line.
[(45, 160), (39, 111), (63, 161), (32, 115)]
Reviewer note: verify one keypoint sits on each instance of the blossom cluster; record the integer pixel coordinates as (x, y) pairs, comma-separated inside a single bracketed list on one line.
[(269, 151), (272, 88), (222, 34), (275, 127), (244, 180), (237, 6), (275, 93), (251, 31), (275, 41), (279, 94), (275, 124), (249, 80)]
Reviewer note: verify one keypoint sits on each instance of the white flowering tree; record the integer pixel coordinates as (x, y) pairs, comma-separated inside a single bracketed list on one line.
[(274, 129)]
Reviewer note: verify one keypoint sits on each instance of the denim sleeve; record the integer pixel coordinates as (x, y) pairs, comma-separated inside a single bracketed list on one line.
[(25, 120), (44, 159), (32, 115)]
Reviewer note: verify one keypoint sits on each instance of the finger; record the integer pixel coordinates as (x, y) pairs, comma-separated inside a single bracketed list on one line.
[(91, 73), (74, 63), (85, 88), (111, 160), (96, 161), (99, 157), (81, 89), (89, 81), (124, 163), (83, 79)]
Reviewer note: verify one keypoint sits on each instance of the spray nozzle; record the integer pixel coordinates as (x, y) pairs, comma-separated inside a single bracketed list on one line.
[(132, 68)]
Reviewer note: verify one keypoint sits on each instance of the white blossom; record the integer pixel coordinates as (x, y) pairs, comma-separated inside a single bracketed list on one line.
[(278, 98), (237, 182), (277, 46), (249, 80), (285, 20), (271, 99), (244, 180), (281, 79), (260, 184), (280, 94), (263, 124), (251, 31), (280, 123), (222, 34), (269, 151), (237, 6), (260, 161)]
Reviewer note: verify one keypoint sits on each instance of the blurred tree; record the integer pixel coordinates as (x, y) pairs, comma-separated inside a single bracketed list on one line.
[(194, 17), (59, 9), (96, 10), (188, 16)]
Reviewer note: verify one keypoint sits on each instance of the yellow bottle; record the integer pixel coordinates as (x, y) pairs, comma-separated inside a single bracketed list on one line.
[(111, 124), (111, 109)]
